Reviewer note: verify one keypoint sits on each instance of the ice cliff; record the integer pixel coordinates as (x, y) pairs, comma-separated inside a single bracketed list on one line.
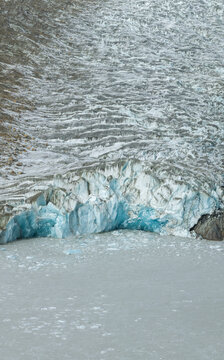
[(96, 200)]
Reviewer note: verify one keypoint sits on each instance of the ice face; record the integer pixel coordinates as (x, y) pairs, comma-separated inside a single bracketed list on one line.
[(119, 197)]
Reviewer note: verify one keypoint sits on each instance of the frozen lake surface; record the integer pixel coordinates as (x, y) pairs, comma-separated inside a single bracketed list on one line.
[(124, 295)]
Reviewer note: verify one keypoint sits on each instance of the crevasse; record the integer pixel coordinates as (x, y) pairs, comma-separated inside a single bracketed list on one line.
[(117, 197)]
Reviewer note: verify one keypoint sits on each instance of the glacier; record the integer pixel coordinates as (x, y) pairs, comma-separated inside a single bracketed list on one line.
[(112, 117), (123, 196)]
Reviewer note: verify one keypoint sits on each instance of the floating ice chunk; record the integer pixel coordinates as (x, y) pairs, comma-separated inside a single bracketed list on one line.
[(73, 252)]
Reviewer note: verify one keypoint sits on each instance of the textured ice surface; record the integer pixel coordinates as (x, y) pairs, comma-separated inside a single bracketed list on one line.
[(124, 197), (87, 85)]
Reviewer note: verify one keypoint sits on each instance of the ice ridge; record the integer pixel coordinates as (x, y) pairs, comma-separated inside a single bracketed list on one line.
[(117, 197)]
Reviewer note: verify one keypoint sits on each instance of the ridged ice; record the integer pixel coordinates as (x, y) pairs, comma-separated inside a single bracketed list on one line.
[(87, 85)]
